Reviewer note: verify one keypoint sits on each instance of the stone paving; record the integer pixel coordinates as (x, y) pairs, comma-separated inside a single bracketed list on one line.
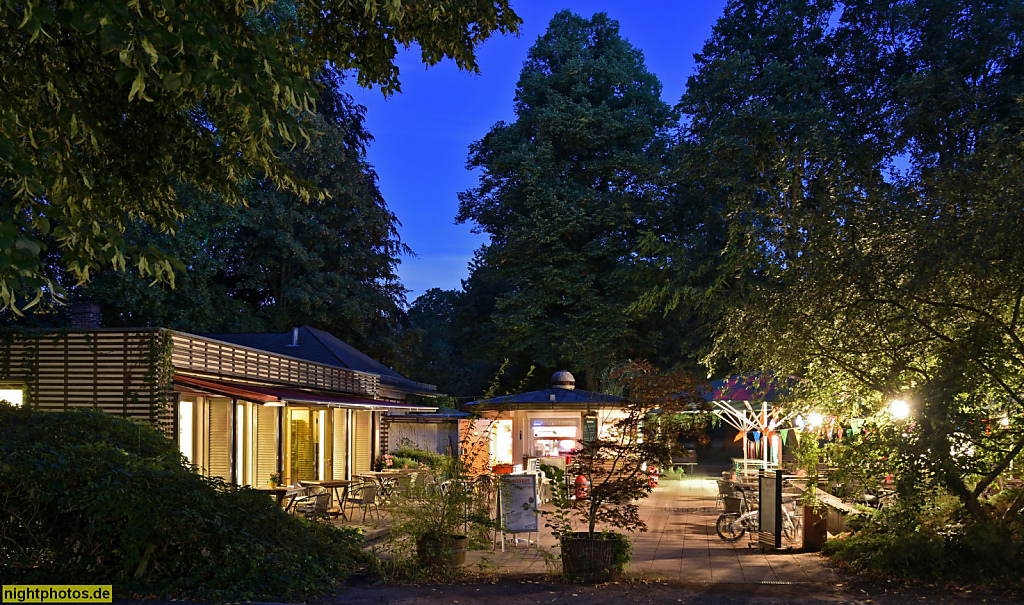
[(680, 544)]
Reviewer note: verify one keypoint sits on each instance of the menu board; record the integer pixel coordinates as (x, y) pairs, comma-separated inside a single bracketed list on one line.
[(518, 495)]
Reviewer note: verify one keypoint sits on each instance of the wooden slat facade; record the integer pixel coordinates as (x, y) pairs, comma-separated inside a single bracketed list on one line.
[(128, 372), (202, 356), (111, 370), (115, 369)]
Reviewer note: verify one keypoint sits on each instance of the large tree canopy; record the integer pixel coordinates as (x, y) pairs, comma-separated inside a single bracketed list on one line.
[(867, 160), (279, 261), (107, 108), (565, 193)]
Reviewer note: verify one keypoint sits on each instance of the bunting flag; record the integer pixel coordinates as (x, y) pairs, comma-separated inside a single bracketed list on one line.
[(784, 433), (739, 435)]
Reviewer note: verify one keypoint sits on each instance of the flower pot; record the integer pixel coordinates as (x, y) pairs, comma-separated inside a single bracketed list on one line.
[(446, 553), (589, 558)]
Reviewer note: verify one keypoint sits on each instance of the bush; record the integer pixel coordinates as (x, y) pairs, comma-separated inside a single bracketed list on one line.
[(91, 498), (415, 455), (903, 545)]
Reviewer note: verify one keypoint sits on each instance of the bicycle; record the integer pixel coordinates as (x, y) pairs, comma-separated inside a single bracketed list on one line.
[(731, 525)]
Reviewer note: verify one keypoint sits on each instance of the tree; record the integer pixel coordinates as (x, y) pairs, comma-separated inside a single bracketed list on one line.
[(281, 261), (565, 193), (869, 160), (106, 109)]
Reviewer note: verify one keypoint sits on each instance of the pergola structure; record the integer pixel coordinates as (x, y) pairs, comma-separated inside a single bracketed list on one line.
[(747, 403)]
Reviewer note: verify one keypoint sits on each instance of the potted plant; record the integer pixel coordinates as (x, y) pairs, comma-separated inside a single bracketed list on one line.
[(433, 520), (614, 466), (275, 479)]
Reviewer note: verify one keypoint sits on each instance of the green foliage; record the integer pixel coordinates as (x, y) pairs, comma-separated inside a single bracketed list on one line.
[(438, 341), (866, 161), (898, 543), (92, 498), (432, 460), (108, 107), (279, 261), (566, 192)]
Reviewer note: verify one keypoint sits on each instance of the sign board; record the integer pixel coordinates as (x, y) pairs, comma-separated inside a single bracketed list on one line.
[(770, 510), (518, 497), (589, 428)]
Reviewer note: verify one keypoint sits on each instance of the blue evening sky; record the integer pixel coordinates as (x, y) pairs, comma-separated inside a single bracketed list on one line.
[(422, 134)]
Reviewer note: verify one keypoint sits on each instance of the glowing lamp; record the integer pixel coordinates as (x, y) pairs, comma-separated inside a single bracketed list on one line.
[(814, 419), (899, 409)]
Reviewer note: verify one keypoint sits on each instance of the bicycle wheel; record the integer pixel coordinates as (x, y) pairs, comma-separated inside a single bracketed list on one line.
[(788, 528), (729, 527)]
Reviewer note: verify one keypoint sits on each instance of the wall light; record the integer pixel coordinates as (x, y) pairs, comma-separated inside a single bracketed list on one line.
[(899, 409)]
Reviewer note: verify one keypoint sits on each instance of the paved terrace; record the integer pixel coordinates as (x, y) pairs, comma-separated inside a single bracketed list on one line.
[(680, 544)]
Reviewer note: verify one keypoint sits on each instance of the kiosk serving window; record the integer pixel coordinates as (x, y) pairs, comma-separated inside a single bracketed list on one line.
[(554, 437)]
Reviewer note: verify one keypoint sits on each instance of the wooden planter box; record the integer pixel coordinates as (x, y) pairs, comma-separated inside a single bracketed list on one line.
[(589, 559)]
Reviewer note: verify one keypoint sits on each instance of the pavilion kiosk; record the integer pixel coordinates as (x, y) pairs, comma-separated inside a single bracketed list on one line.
[(545, 425)]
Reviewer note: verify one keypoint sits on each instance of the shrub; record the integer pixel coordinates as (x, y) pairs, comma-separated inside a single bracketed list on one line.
[(92, 498), (415, 455), (906, 545)]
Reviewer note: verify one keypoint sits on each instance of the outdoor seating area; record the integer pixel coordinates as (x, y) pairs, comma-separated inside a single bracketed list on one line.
[(681, 514), (363, 501)]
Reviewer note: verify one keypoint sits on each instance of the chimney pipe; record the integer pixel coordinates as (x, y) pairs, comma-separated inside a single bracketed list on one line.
[(85, 315), (295, 338)]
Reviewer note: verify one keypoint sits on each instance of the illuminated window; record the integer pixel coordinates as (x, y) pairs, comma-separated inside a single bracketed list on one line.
[(12, 395), (185, 428), (554, 437)]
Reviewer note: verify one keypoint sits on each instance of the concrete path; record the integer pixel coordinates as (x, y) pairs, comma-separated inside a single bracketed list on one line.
[(680, 544)]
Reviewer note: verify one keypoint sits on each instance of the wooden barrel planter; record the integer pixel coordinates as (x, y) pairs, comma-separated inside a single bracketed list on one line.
[(446, 553), (589, 558), (815, 528)]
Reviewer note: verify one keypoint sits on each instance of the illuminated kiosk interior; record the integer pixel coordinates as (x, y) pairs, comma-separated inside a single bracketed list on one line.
[(546, 424)]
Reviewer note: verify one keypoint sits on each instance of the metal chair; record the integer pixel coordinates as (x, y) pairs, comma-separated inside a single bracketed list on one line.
[(403, 484), (363, 495), (726, 489), (318, 506)]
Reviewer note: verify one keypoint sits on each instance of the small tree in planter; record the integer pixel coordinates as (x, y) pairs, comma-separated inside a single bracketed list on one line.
[(433, 520), (615, 465)]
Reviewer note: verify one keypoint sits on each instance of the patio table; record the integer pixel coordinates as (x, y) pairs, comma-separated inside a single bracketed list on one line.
[(282, 492)]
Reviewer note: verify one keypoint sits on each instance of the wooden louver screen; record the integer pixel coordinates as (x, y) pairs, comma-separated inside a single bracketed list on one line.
[(218, 462), (196, 354), (110, 370), (362, 458), (266, 443), (340, 454)]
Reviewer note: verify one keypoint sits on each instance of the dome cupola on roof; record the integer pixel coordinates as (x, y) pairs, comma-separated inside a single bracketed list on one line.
[(563, 380)]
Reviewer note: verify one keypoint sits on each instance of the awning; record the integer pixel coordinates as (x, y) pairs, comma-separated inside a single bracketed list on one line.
[(267, 394)]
